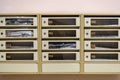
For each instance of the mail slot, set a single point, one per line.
(18, 33)
(18, 56)
(102, 21)
(18, 44)
(60, 33)
(61, 45)
(102, 56)
(60, 56)
(18, 21)
(60, 21)
(102, 45)
(102, 33)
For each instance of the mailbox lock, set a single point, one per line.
(1, 33)
(44, 45)
(1, 21)
(2, 45)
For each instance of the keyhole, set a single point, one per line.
(44, 45)
(87, 22)
(1, 45)
(44, 33)
(44, 22)
(2, 56)
(86, 44)
(86, 56)
(86, 33)
(1, 21)
(1, 33)
(44, 56)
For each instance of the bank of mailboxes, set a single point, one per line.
(101, 44)
(18, 44)
(65, 44)
(60, 44)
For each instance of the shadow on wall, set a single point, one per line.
(59, 77)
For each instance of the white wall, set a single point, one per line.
(60, 6)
